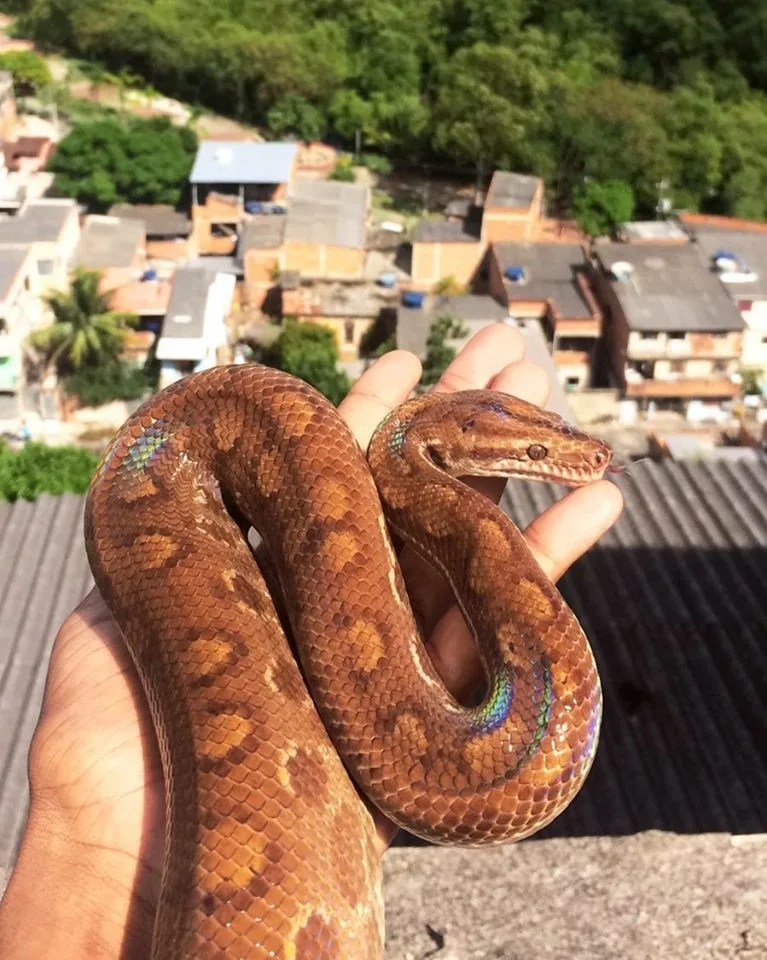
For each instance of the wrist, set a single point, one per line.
(70, 899)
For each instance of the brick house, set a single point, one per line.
(52, 228)
(673, 334)
(737, 255)
(231, 178)
(445, 249)
(320, 237)
(550, 282)
(513, 207)
(168, 232)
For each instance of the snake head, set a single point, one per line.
(486, 433)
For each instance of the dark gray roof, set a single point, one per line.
(327, 212)
(446, 231)
(109, 242)
(266, 232)
(218, 264)
(160, 219)
(413, 324)
(670, 288)
(38, 221)
(243, 161)
(672, 599)
(11, 261)
(550, 274)
(512, 190)
(751, 250)
(186, 308)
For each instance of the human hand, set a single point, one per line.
(97, 791)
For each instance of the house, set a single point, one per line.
(114, 247)
(231, 178)
(21, 311)
(673, 334)
(27, 154)
(321, 236)
(652, 231)
(444, 250)
(52, 228)
(513, 207)
(349, 309)
(8, 114)
(476, 311)
(550, 282)
(738, 257)
(168, 232)
(194, 331)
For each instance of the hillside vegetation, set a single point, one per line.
(640, 91)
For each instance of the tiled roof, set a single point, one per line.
(327, 212)
(750, 248)
(242, 161)
(159, 219)
(446, 231)
(670, 288)
(672, 598)
(551, 271)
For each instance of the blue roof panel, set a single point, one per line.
(243, 161)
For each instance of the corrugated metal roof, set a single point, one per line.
(186, 309)
(550, 274)
(160, 219)
(670, 288)
(242, 161)
(446, 231)
(673, 600)
(11, 261)
(750, 248)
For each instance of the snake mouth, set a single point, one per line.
(566, 476)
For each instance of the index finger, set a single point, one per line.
(381, 388)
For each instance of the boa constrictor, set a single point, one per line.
(270, 853)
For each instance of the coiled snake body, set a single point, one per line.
(270, 853)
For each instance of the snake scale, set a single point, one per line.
(270, 852)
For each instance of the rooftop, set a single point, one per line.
(413, 324)
(265, 232)
(11, 261)
(186, 309)
(643, 231)
(668, 288)
(515, 191)
(446, 231)
(550, 273)
(159, 219)
(750, 250)
(327, 212)
(109, 242)
(243, 161)
(37, 221)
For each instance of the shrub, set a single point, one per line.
(37, 469)
(115, 380)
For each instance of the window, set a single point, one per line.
(572, 383)
(676, 366)
(677, 335)
(349, 331)
(745, 305)
(581, 344)
(645, 335)
(45, 267)
(719, 366)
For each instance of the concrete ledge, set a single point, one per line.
(653, 895)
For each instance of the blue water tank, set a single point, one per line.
(253, 207)
(515, 273)
(150, 274)
(411, 298)
(386, 280)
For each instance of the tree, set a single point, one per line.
(308, 351)
(439, 353)
(112, 380)
(85, 332)
(37, 469)
(138, 161)
(600, 208)
(30, 71)
(296, 115)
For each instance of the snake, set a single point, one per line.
(290, 689)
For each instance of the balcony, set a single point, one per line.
(714, 388)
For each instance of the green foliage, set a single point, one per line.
(448, 287)
(638, 91)
(343, 171)
(308, 351)
(752, 378)
(600, 208)
(30, 71)
(439, 353)
(135, 161)
(85, 331)
(295, 115)
(104, 382)
(37, 469)
(375, 162)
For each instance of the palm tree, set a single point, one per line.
(85, 331)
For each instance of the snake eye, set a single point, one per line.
(536, 451)
(468, 425)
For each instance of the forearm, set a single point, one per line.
(67, 899)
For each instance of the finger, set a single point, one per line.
(571, 526)
(527, 381)
(381, 388)
(487, 353)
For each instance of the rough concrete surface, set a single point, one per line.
(653, 895)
